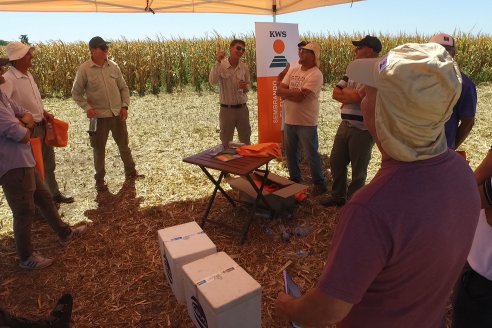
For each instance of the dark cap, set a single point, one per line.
(302, 44)
(4, 61)
(370, 42)
(97, 42)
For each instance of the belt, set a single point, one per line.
(232, 106)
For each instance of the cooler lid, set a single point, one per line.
(185, 239)
(221, 282)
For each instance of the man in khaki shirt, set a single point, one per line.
(100, 89)
(234, 80)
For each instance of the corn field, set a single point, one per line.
(156, 65)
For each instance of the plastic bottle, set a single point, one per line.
(92, 125)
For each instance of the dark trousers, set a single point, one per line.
(100, 138)
(24, 191)
(472, 303)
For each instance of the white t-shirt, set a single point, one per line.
(480, 257)
(306, 112)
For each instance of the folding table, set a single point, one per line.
(243, 166)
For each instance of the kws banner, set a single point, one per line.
(276, 45)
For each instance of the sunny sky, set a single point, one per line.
(371, 16)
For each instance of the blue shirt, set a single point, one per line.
(13, 153)
(465, 107)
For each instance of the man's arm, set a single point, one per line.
(78, 89)
(295, 95)
(213, 77)
(464, 128)
(313, 309)
(346, 95)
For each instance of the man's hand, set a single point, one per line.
(27, 121)
(48, 116)
(123, 114)
(282, 305)
(91, 113)
(220, 55)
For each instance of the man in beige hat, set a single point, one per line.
(101, 91)
(463, 118)
(20, 87)
(401, 240)
(353, 143)
(21, 185)
(300, 89)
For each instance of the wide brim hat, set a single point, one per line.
(17, 50)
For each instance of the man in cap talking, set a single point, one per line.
(353, 143)
(300, 89)
(101, 91)
(402, 239)
(20, 87)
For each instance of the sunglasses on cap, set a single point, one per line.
(239, 48)
(305, 51)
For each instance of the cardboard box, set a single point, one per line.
(179, 245)
(279, 200)
(221, 294)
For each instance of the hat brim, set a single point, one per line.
(365, 70)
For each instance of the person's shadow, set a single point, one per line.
(124, 201)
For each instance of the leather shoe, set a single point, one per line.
(61, 198)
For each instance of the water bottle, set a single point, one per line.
(92, 126)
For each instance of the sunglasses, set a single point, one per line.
(305, 51)
(104, 48)
(239, 48)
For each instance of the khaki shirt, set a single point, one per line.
(24, 91)
(228, 78)
(101, 87)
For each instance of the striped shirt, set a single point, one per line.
(351, 112)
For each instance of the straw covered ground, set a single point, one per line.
(115, 271)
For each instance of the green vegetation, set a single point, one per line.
(154, 65)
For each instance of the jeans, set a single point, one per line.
(307, 136)
(24, 190)
(351, 145)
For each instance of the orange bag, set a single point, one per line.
(56, 133)
(261, 150)
(37, 152)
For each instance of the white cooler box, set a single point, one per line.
(179, 245)
(221, 294)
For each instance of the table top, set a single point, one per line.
(240, 166)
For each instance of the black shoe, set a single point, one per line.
(61, 198)
(331, 201)
(61, 315)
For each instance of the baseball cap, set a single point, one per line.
(97, 42)
(16, 50)
(418, 86)
(314, 47)
(370, 42)
(443, 39)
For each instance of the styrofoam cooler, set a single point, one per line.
(179, 245)
(221, 294)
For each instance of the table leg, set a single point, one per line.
(214, 194)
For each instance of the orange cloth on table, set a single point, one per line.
(261, 150)
(36, 147)
(57, 136)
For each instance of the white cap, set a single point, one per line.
(442, 39)
(16, 50)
